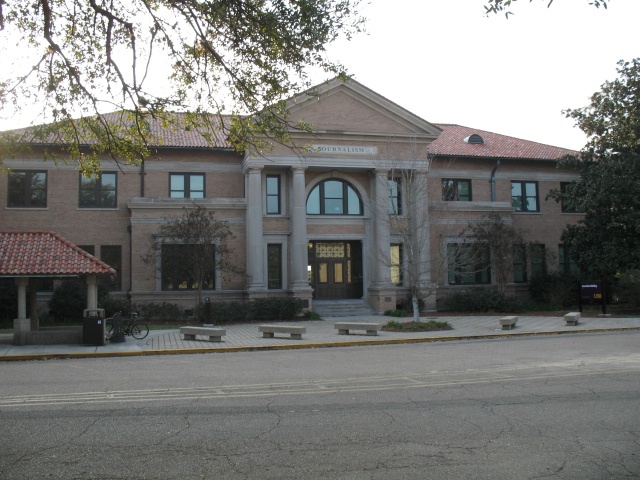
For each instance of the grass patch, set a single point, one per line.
(429, 326)
(397, 313)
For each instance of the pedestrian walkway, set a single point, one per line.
(319, 333)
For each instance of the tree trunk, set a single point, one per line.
(416, 308)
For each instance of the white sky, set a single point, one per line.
(446, 62)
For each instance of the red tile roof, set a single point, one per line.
(179, 132)
(45, 253)
(451, 143)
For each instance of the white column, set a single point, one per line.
(21, 325)
(255, 247)
(421, 229)
(299, 250)
(92, 292)
(382, 236)
(22, 297)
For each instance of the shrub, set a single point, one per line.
(277, 308)
(159, 312)
(311, 315)
(263, 309)
(430, 326)
(482, 300)
(113, 305)
(8, 302)
(228, 312)
(555, 289)
(69, 300)
(627, 289)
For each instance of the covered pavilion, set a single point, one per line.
(30, 255)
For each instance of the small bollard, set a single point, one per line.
(207, 310)
(118, 332)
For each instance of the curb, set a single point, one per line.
(255, 348)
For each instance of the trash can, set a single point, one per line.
(93, 327)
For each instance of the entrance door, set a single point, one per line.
(330, 280)
(335, 269)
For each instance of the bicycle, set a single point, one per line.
(130, 326)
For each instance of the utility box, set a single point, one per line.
(93, 327)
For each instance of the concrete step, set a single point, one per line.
(342, 308)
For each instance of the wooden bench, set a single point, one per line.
(369, 328)
(296, 332)
(214, 334)
(507, 323)
(572, 318)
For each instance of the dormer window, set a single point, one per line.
(474, 139)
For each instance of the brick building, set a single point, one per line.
(319, 221)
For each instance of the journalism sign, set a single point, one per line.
(591, 291)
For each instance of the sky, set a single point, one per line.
(447, 62)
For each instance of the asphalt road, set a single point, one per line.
(561, 407)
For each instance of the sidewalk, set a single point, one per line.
(321, 333)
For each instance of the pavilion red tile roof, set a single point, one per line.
(451, 142)
(45, 254)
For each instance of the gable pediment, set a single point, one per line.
(340, 106)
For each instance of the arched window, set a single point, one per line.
(334, 197)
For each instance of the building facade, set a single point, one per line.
(375, 199)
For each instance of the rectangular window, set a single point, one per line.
(274, 266)
(395, 196)
(44, 285)
(519, 264)
(565, 207)
(98, 191)
(333, 197)
(455, 190)
(186, 185)
(568, 265)
(273, 194)
(469, 264)
(538, 260)
(396, 264)
(524, 196)
(90, 249)
(27, 189)
(112, 256)
(186, 267)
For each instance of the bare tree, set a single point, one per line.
(143, 59)
(502, 240)
(192, 247)
(406, 216)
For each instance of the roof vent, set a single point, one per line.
(474, 139)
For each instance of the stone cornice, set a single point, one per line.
(179, 203)
(442, 206)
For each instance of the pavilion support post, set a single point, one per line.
(92, 292)
(22, 324)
